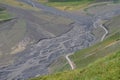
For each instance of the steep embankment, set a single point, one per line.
(86, 56)
(104, 69)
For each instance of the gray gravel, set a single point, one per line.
(35, 59)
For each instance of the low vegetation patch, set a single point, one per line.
(4, 15)
(2, 8)
(67, 4)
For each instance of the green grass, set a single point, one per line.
(68, 5)
(107, 68)
(4, 15)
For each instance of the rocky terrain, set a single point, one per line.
(45, 40)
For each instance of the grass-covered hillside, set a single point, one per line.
(107, 68)
(67, 4)
(71, 4)
(86, 56)
(4, 15)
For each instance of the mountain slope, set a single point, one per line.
(91, 62)
(84, 57)
(36, 38)
(107, 68)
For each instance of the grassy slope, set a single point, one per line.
(61, 64)
(68, 5)
(107, 68)
(4, 15)
(86, 56)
